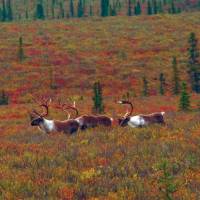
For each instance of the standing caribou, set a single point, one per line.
(68, 126)
(91, 121)
(140, 120)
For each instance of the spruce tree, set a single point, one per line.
(129, 12)
(71, 8)
(102, 8)
(84, 6)
(138, 10)
(162, 83)
(176, 86)
(193, 63)
(26, 14)
(62, 11)
(80, 8)
(1, 19)
(40, 11)
(149, 8)
(4, 98)
(91, 10)
(52, 9)
(113, 11)
(98, 98)
(4, 13)
(160, 7)
(178, 10)
(21, 50)
(184, 103)
(145, 90)
(155, 7)
(105, 8)
(9, 11)
(47, 8)
(173, 8)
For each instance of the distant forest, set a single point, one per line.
(56, 9)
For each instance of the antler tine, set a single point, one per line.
(62, 107)
(42, 105)
(73, 107)
(48, 101)
(128, 113)
(59, 104)
(74, 104)
(69, 115)
(65, 107)
(46, 106)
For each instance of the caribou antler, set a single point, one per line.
(44, 105)
(73, 108)
(65, 107)
(128, 113)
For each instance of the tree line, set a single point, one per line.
(55, 9)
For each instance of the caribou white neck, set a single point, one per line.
(47, 126)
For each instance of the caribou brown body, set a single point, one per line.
(154, 118)
(91, 121)
(140, 120)
(67, 126)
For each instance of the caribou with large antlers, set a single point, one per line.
(68, 126)
(90, 121)
(140, 120)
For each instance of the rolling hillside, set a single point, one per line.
(72, 54)
(63, 58)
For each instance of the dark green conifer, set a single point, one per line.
(149, 7)
(9, 11)
(98, 98)
(129, 12)
(162, 84)
(40, 11)
(4, 13)
(71, 8)
(145, 91)
(4, 98)
(185, 98)
(80, 10)
(193, 63)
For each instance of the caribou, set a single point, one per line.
(141, 119)
(68, 126)
(90, 121)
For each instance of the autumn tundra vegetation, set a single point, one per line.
(108, 57)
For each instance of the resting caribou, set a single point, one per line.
(91, 121)
(141, 119)
(68, 126)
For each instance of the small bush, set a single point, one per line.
(4, 98)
